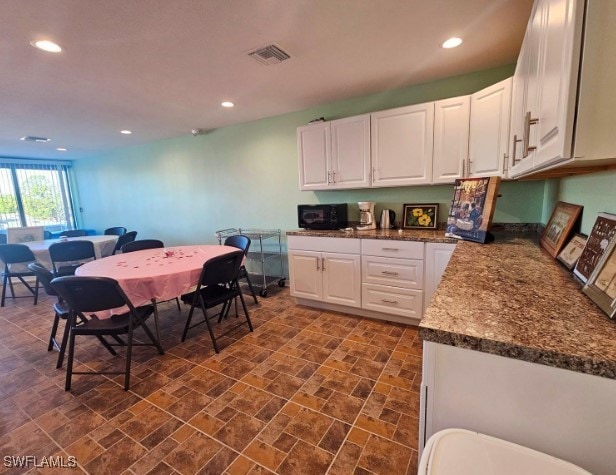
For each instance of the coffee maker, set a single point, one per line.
(366, 215)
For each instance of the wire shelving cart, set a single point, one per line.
(265, 247)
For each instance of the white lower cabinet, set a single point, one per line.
(437, 258)
(318, 274)
(393, 277)
(380, 278)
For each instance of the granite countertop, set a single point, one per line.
(422, 235)
(510, 298)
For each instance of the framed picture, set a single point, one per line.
(25, 234)
(601, 285)
(603, 231)
(559, 227)
(420, 216)
(472, 208)
(572, 251)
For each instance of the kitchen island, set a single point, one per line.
(513, 349)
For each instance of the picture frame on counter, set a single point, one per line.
(601, 285)
(560, 226)
(472, 208)
(572, 251)
(420, 216)
(25, 234)
(602, 233)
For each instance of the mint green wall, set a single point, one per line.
(182, 190)
(595, 191)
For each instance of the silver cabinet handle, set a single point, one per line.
(323, 264)
(318, 268)
(528, 121)
(390, 249)
(515, 160)
(504, 162)
(389, 301)
(329, 177)
(469, 166)
(334, 177)
(387, 272)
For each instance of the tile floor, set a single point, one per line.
(309, 392)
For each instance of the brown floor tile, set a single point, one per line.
(308, 392)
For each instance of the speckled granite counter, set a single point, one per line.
(423, 235)
(510, 298)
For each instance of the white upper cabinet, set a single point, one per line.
(564, 103)
(350, 156)
(489, 130)
(314, 152)
(335, 155)
(402, 145)
(451, 127)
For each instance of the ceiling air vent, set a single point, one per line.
(268, 55)
(30, 138)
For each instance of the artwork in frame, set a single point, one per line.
(572, 251)
(472, 208)
(603, 231)
(420, 216)
(601, 285)
(559, 227)
(25, 234)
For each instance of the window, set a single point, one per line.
(35, 194)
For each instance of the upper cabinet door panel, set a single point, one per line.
(489, 129)
(451, 125)
(314, 151)
(402, 142)
(351, 152)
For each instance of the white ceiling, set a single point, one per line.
(162, 67)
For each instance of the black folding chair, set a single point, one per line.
(115, 231)
(123, 239)
(141, 244)
(88, 295)
(74, 233)
(68, 255)
(14, 255)
(242, 242)
(217, 286)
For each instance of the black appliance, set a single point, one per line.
(322, 216)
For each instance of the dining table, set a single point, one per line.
(154, 275)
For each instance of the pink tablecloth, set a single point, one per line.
(150, 274)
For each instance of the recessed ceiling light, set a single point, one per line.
(126, 132)
(452, 43)
(227, 104)
(61, 149)
(46, 45)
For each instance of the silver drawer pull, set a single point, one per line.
(386, 272)
(389, 301)
(391, 249)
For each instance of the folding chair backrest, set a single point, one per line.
(74, 233)
(240, 241)
(44, 276)
(115, 231)
(71, 251)
(221, 269)
(128, 237)
(142, 244)
(16, 253)
(90, 294)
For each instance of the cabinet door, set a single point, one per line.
(341, 279)
(351, 152)
(558, 76)
(401, 144)
(437, 258)
(305, 274)
(314, 155)
(489, 130)
(451, 125)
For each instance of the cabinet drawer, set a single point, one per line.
(323, 244)
(405, 273)
(391, 248)
(393, 300)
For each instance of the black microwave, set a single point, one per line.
(322, 216)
